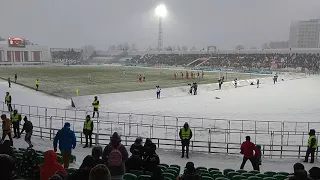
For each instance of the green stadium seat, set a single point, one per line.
(71, 170)
(147, 173)
(226, 171)
(205, 174)
(166, 178)
(203, 171)
(165, 165)
(216, 169)
(177, 166)
(198, 168)
(60, 160)
(283, 173)
(144, 177)
(280, 177)
(215, 176)
(269, 178)
(238, 177)
(129, 176)
(163, 168)
(40, 159)
(174, 168)
(254, 172)
(270, 173)
(247, 174)
(136, 172)
(206, 178)
(215, 172)
(261, 175)
(222, 178)
(172, 171)
(241, 171)
(254, 178)
(231, 174)
(169, 175)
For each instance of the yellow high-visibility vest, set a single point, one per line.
(95, 104)
(87, 125)
(185, 133)
(7, 98)
(37, 82)
(15, 117)
(315, 144)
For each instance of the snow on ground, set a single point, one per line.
(220, 161)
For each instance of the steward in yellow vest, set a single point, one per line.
(7, 101)
(15, 119)
(37, 84)
(185, 136)
(87, 130)
(312, 146)
(95, 105)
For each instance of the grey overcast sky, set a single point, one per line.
(224, 23)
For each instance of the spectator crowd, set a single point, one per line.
(65, 55)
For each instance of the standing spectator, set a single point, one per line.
(6, 128)
(115, 156)
(84, 170)
(16, 118)
(9, 82)
(235, 82)
(258, 83)
(257, 158)
(312, 146)
(67, 142)
(87, 130)
(148, 145)
(97, 154)
(185, 136)
(151, 160)
(28, 127)
(137, 147)
(8, 101)
(50, 166)
(190, 172)
(100, 172)
(158, 90)
(15, 78)
(247, 149)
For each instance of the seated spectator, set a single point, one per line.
(100, 172)
(151, 160)
(6, 167)
(157, 174)
(137, 146)
(135, 162)
(6, 148)
(50, 166)
(148, 145)
(314, 173)
(97, 155)
(300, 175)
(190, 172)
(56, 177)
(83, 172)
(28, 167)
(115, 156)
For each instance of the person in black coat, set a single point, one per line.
(84, 171)
(96, 152)
(157, 174)
(151, 160)
(28, 127)
(134, 162)
(190, 172)
(148, 146)
(137, 147)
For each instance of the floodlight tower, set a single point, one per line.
(161, 12)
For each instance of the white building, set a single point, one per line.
(305, 34)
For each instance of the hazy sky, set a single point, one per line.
(224, 23)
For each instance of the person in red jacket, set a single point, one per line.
(50, 166)
(247, 149)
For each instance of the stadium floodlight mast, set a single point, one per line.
(161, 12)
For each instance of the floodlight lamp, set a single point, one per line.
(161, 10)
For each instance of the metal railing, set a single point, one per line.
(278, 139)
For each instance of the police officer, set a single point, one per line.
(95, 105)
(8, 101)
(37, 84)
(16, 118)
(185, 136)
(312, 146)
(87, 130)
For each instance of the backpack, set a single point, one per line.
(115, 157)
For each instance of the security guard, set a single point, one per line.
(95, 105)
(8, 101)
(185, 136)
(87, 130)
(312, 146)
(37, 84)
(16, 118)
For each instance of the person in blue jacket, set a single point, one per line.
(67, 142)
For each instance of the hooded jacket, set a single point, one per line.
(190, 173)
(137, 147)
(97, 155)
(115, 141)
(66, 139)
(84, 171)
(50, 166)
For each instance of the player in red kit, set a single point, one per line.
(140, 77)
(191, 74)
(175, 76)
(182, 75)
(202, 74)
(187, 75)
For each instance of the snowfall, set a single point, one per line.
(289, 100)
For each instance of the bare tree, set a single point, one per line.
(253, 47)
(239, 47)
(193, 48)
(133, 47)
(126, 47)
(168, 48)
(265, 46)
(112, 48)
(149, 48)
(178, 48)
(88, 50)
(184, 48)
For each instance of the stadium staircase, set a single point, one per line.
(193, 62)
(205, 60)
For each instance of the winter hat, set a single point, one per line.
(138, 140)
(115, 136)
(67, 124)
(297, 167)
(100, 172)
(190, 166)
(96, 151)
(88, 161)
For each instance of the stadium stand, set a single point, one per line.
(71, 56)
